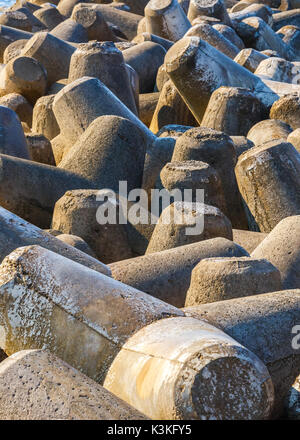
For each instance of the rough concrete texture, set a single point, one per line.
(20, 105)
(281, 248)
(71, 31)
(114, 115)
(82, 101)
(8, 35)
(171, 109)
(195, 367)
(216, 149)
(76, 213)
(287, 109)
(53, 53)
(263, 324)
(250, 58)
(268, 179)
(26, 76)
(166, 19)
(219, 279)
(40, 149)
(249, 240)
(13, 50)
(12, 140)
(214, 38)
(233, 110)
(192, 175)
(145, 58)
(49, 16)
(43, 119)
(16, 232)
(268, 130)
(36, 385)
(77, 243)
(105, 62)
(183, 223)
(34, 188)
(57, 306)
(166, 275)
(112, 149)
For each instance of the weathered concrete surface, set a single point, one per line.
(80, 315)
(216, 149)
(112, 149)
(282, 248)
(9, 35)
(166, 275)
(263, 324)
(76, 213)
(36, 385)
(219, 279)
(20, 105)
(183, 223)
(43, 119)
(104, 61)
(268, 130)
(166, 19)
(185, 369)
(192, 175)
(26, 181)
(53, 53)
(233, 111)
(16, 232)
(249, 240)
(85, 99)
(268, 179)
(171, 109)
(287, 109)
(12, 139)
(40, 148)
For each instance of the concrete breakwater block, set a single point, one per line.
(25, 378)
(58, 321)
(166, 274)
(263, 324)
(149, 209)
(218, 279)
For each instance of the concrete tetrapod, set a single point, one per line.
(36, 385)
(16, 232)
(268, 177)
(30, 189)
(112, 149)
(52, 52)
(181, 369)
(76, 213)
(104, 61)
(219, 279)
(81, 315)
(84, 100)
(262, 323)
(166, 19)
(282, 248)
(68, 323)
(198, 69)
(216, 149)
(12, 139)
(183, 223)
(233, 110)
(211, 8)
(166, 274)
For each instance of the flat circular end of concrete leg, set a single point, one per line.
(224, 382)
(180, 52)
